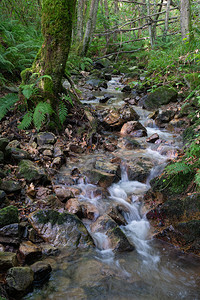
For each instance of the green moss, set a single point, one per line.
(25, 75)
(54, 217)
(8, 215)
(171, 185)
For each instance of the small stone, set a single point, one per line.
(13, 144)
(29, 252)
(47, 152)
(126, 89)
(19, 154)
(154, 137)
(57, 152)
(46, 138)
(64, 193)
(7, 261)
(57, 161)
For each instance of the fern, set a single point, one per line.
(42, 111)
(62, 112)
(177, 167)
(6, 103)
(67, 98)
(27, 120)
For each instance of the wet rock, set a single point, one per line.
(49, 250)
(10, 186)
(116, 239)
(89, 211)
(29, 252)
(46, 138)
(8, 215)
(154, 137)
(19, 281)
(2, 196)
(114, 213)
(61, 229)
(100, 178)
(109, 146)
(106, 166)
(65, 192)
(42, 272)
(3, 143)
(153, 115)
(138, 169)
(73, 206)
(133, 128)
(31, 172)
(128, 143)
(105, 98)
(10, 234)
(1, 157)
(161, 96)
(164, 117)
(115, 118)
(57, 162)
(7, 261)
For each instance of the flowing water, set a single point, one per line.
(155, 270)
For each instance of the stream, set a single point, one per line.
(154, 270)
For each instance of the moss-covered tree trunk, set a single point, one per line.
(57, 17)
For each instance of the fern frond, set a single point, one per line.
(178, 167)
(62, 112)
(68, 98)
(6, 103)
(42, 110)
(27, 120)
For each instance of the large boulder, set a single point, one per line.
(60, 229)
(161, 96)
(8, 215)
(115, 238)
(30, 171)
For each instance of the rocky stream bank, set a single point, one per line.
(91, 187)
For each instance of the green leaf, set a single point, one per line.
(62, 112)
(28, 90)
(26, 122)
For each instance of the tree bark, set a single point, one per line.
(57, 17)
(185, 19)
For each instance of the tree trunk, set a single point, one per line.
(166, 20)
(185, 19)
(57, 16)
(90, 25)
(79, 33)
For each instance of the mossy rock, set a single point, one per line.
(10, 186)
(61, 229)
(193, 80)
(7, 261)
(171, 185)
(31, 172)
(19, 281)
(8, 215)
(161, 96)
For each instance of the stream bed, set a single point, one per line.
(154, 270)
